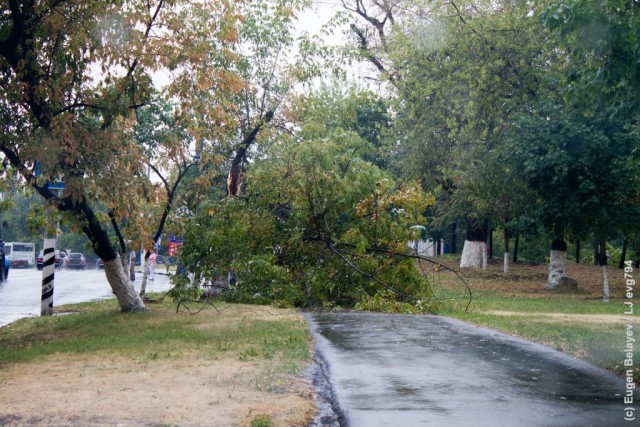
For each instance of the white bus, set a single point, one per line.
(20, 254)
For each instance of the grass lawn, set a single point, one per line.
(242, 366)
(580, 324)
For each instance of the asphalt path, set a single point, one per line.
(404, 371)
(20, 294)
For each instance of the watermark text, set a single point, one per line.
(630, 283)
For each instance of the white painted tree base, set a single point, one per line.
(557, 268)
(122, 287)
(473, 254)
(506, 263)
(605, 282)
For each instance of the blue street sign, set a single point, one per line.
(56, 185)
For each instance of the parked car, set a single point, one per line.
(100, 264)
(76, 260)
(159, 259)
(61, 256)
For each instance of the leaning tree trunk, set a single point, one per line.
(557, 263)
(474, 251)
(603, 262)
(121, 285)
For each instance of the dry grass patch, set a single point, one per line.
(159, 368)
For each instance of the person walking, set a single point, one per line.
(152, 263)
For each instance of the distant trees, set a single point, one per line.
(514, 113)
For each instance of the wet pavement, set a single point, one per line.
(403, 371)
(20, 294)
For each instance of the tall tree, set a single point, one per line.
(71, 75)
(602, 37)
(265, 43)
(575, 165)
(463, 77)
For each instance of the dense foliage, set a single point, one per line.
(318, 224)
(517, 116)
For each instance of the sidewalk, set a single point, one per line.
(391, 370)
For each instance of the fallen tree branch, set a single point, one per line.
(205, 304)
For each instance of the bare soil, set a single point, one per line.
(562, 317)
(529, 279)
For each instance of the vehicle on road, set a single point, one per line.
(61, 256)
(100, 264)
(76, 260)
(20, 254)
(159, 259)
(4, 263)
(19, 263)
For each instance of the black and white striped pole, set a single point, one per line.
(49, 257)
(48, 272)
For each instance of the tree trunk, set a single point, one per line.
(122, 288)
(603, 262)
(505, 237)
(605, 283)
(453, 237)
(490, 244)
(236, 174)
(145, 271)
(516, 244)
(475, 245)
(557, 263)
(485, 258)
(623, 255)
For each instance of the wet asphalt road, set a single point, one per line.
(20, 294)
(403, 371)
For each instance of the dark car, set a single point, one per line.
(59, 261)
(76, 260)
(7, 265)
(159, 259)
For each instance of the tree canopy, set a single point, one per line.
(207, 118)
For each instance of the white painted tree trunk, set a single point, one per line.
(557, 268)
(506, 263)
(122, 287)
(485, 258)
(473, 254)
(605, 278)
